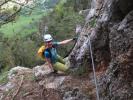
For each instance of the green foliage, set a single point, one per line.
(23, 25)
(6, 57)
(59, 9)
(3, 76)
(50, 3)
(61, 23)
(82, 70)
(19, 42)
(78, 4)
(19, 51)
(25, 50)
(93, 22)
(25, 22)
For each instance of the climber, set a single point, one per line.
(55, 62)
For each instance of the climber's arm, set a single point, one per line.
(49, 64)
(47, 57)
(67, 41)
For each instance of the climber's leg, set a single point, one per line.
(60, 59)
(59, 66)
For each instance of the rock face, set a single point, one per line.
(40, 84)
(110, 26)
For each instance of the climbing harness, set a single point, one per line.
(92, 60)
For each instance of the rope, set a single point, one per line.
(77, 35)
(97, 92)
(92, 60)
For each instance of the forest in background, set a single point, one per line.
(21, 37)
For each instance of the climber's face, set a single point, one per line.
(49, 44)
